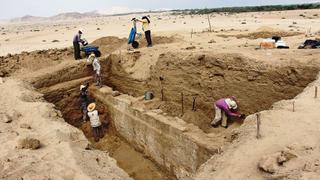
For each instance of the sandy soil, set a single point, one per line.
(177, 54)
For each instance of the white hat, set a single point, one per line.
(81, 30)
(231, 103)
(82, 86)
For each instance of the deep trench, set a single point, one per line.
(207, 78)
(135, 163)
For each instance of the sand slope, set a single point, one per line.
(62, 154)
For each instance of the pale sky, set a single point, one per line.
(17, 8)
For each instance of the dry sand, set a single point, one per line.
(61, 143)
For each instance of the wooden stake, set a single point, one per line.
(293, 108)
(182, 105)
(209, 23)
(162, 96)
(316, 92)
(191, 33)
(258, 126)
(194, 104)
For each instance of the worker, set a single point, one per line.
(226, 108)
(84, 100)
(146, 28)
(76, 44)
(96, 68)
(95, 122)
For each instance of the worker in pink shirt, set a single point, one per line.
(226, 108)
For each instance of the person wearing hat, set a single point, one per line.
(96, 68)
(84, 100)
(226, 108)
(95, 122)
(76, 44)
(146, 28)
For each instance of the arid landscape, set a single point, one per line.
(192, 64)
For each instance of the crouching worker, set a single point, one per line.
(84, 100)
(226, 108)
(96, 68)
(95, 122)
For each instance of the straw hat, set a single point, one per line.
(231, 103)
(91, 107)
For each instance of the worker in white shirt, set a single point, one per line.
(95, 122)
(96, 68)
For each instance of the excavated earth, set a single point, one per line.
(165, 138)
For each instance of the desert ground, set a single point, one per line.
(189, 67)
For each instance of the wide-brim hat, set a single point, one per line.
(91, 107)
(231, 103)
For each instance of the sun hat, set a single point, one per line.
(81, 30)
(231, 103)
(82, 86)
(91, 107)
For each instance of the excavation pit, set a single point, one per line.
(163, 142)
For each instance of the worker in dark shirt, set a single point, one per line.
(76, 44)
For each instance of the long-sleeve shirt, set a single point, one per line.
(221, 103)
(77, 38)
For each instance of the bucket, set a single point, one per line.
(148, 95)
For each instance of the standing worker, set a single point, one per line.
(96, 68)
(84, 100)
(95, 122)
(76, 44)
(226, 108)
(146, 28)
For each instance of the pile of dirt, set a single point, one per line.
(267, 34)
(158, 40)
(263, 32)
(109, 44)
(33, 60)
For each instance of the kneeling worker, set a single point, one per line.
(95, 122)
(226, 108)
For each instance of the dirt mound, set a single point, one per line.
(158, 40)
(33, 60)
(263, 32)
(109, 44)
(267, 34)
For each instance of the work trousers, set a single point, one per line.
(76, 47)
(97, 133)
(220, 117)
(148, 37)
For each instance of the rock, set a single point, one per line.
(190, 48)
(285, 156)
(5, 119)
(115, 93)
(25, 126)
(55, 41)
(13, 115)
(268, 164)
(212, 41)
(29, 143)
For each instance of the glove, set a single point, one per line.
(242, 116)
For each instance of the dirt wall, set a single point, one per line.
(209, 77)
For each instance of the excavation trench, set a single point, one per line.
(137, 164)
(152, 139)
